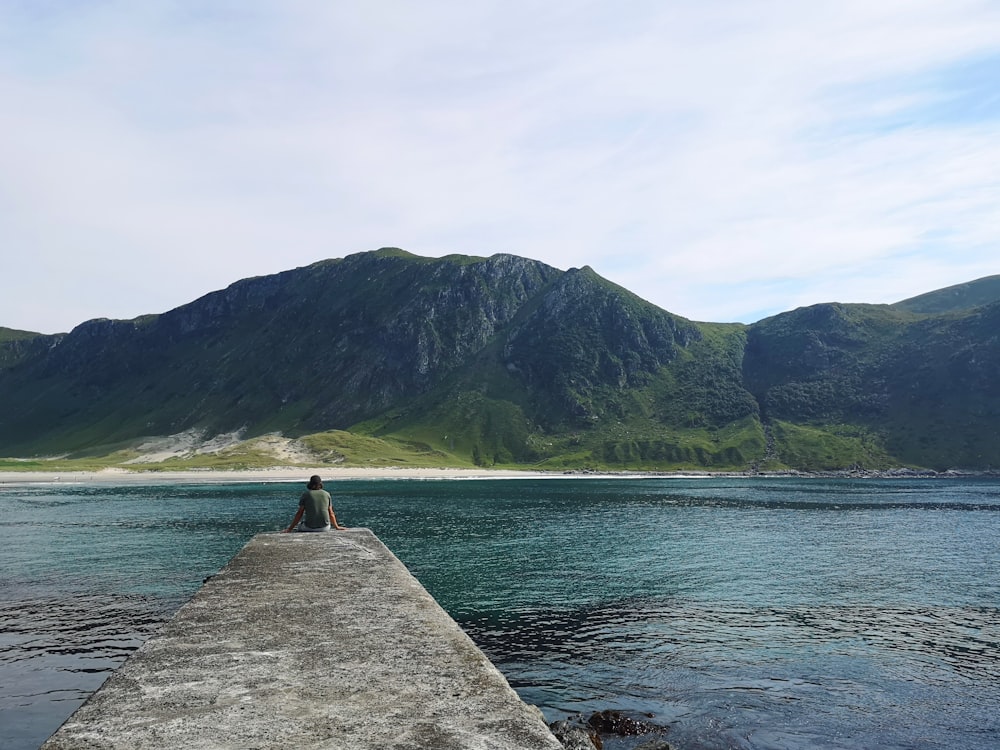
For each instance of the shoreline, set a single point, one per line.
(243, 476)
(280, 474)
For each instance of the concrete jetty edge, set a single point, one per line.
(308, 641)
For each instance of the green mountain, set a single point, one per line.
(955, 298)
(506, 361)
(905, 387)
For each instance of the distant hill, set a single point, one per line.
(913, 389)
(507, 361)
(955, 298)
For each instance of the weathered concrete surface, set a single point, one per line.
(308, 641)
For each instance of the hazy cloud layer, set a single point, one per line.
(725, 160)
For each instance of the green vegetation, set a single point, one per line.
(389, 359)
(735, 447)
(921, 387)
(339, 447)
(17, 346)
(961, 297)
(64, 463)
(11, 334)
(830, 447)
(333, 448)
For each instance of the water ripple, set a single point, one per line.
(740, 613)
(875, 676)
(73, 643)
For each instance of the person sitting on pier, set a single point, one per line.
(317, 507)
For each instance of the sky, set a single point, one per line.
(725, 160)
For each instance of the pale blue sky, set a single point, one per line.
(725, 160)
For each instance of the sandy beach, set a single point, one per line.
(279, 474)
(332, 474)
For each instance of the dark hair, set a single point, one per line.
(315, 483)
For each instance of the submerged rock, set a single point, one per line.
(655, 745)
(615, 722)
(579, 733)
(575, 736)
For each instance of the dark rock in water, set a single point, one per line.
(655, 745)
(574, 736)
(615, 722)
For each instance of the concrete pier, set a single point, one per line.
(308, 641)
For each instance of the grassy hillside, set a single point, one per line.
(958, 298)
(689, 411)
(915, 389)
(386, 358)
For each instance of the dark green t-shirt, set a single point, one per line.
(316, 504)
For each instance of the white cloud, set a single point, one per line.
(725, 160)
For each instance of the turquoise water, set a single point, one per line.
(756, 613)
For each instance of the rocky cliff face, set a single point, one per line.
(16, 346)
(585, 335)
(315, 348)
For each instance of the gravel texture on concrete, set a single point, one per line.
(308, 641)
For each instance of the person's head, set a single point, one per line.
(315, 483)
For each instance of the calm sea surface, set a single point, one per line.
(740, 613)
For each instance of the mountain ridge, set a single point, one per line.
(955, 298)
(503, 360)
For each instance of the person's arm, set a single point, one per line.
(333, 520)
(295, 521)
